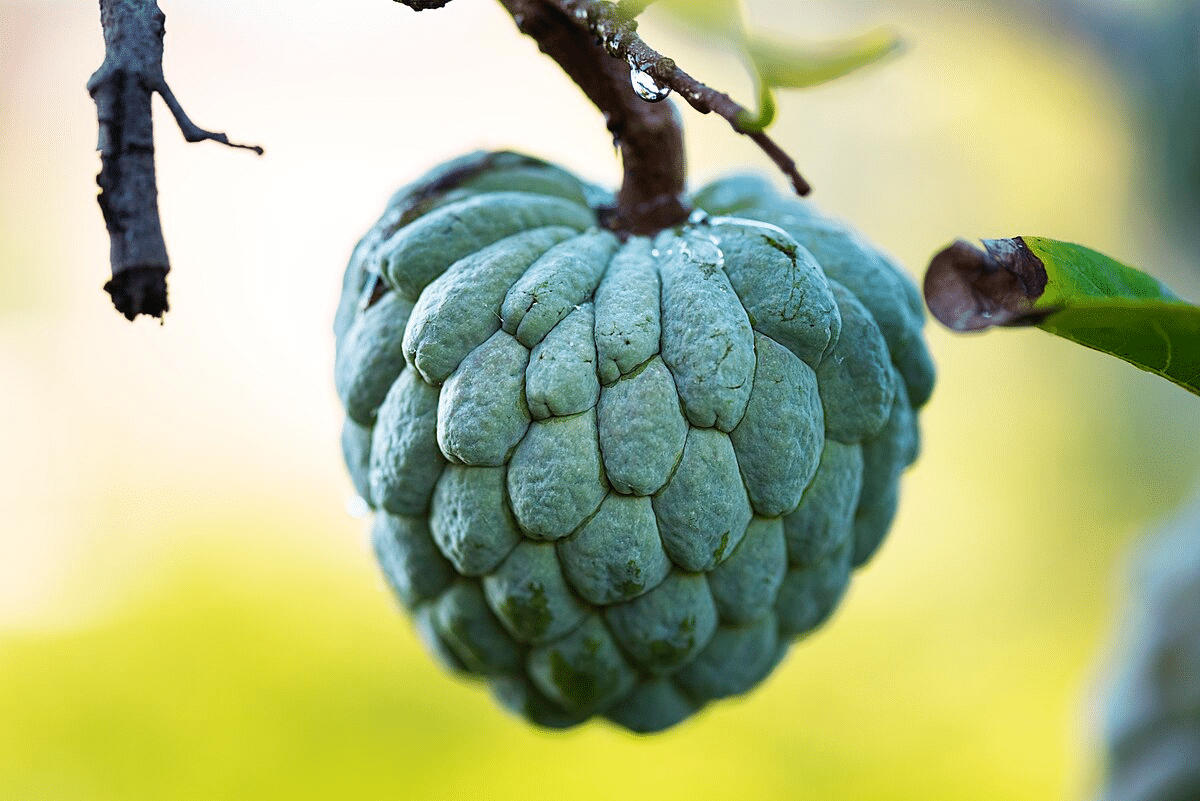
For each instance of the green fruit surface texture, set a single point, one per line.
(1152, 719)
(614, 476)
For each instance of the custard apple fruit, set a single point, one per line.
(1153, 714)
(618, 476)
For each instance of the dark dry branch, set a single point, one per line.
(123, 88)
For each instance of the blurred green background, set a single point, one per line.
(187, 609)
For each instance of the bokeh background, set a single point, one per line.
(189, 611)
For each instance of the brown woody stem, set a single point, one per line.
(617, 33)
(578, 34)
(648, 134)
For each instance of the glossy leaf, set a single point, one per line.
(1071, 291)
(791, 66)
(776, 65)
(721, 18)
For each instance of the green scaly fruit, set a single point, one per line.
(619, 477)
(1152, 718)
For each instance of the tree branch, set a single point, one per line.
(123, 88)
(579, 34)
(617, 33)
(648, 134)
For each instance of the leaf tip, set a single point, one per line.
(971, 289)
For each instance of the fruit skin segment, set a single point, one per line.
(642, 429)
(617, 477)
(707, 341)
(1151, 716)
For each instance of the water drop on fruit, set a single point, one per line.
(357, 507)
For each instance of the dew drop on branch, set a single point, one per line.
(646, 87)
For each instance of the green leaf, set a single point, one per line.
(1071, 291)
(791, 66)
(775, 65)
(1077, 273)
(780, 65)
(721, 18)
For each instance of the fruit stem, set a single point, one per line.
(648, 134)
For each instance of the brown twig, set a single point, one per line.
(618, 35)
(611, 28)
(123, 88)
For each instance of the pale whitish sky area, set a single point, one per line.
(110, 431)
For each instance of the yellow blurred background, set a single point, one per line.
(187, 609)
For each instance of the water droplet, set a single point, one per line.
(357, 507)
(654, 253)
(698, 217)
(646, 87)
(703, 251)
